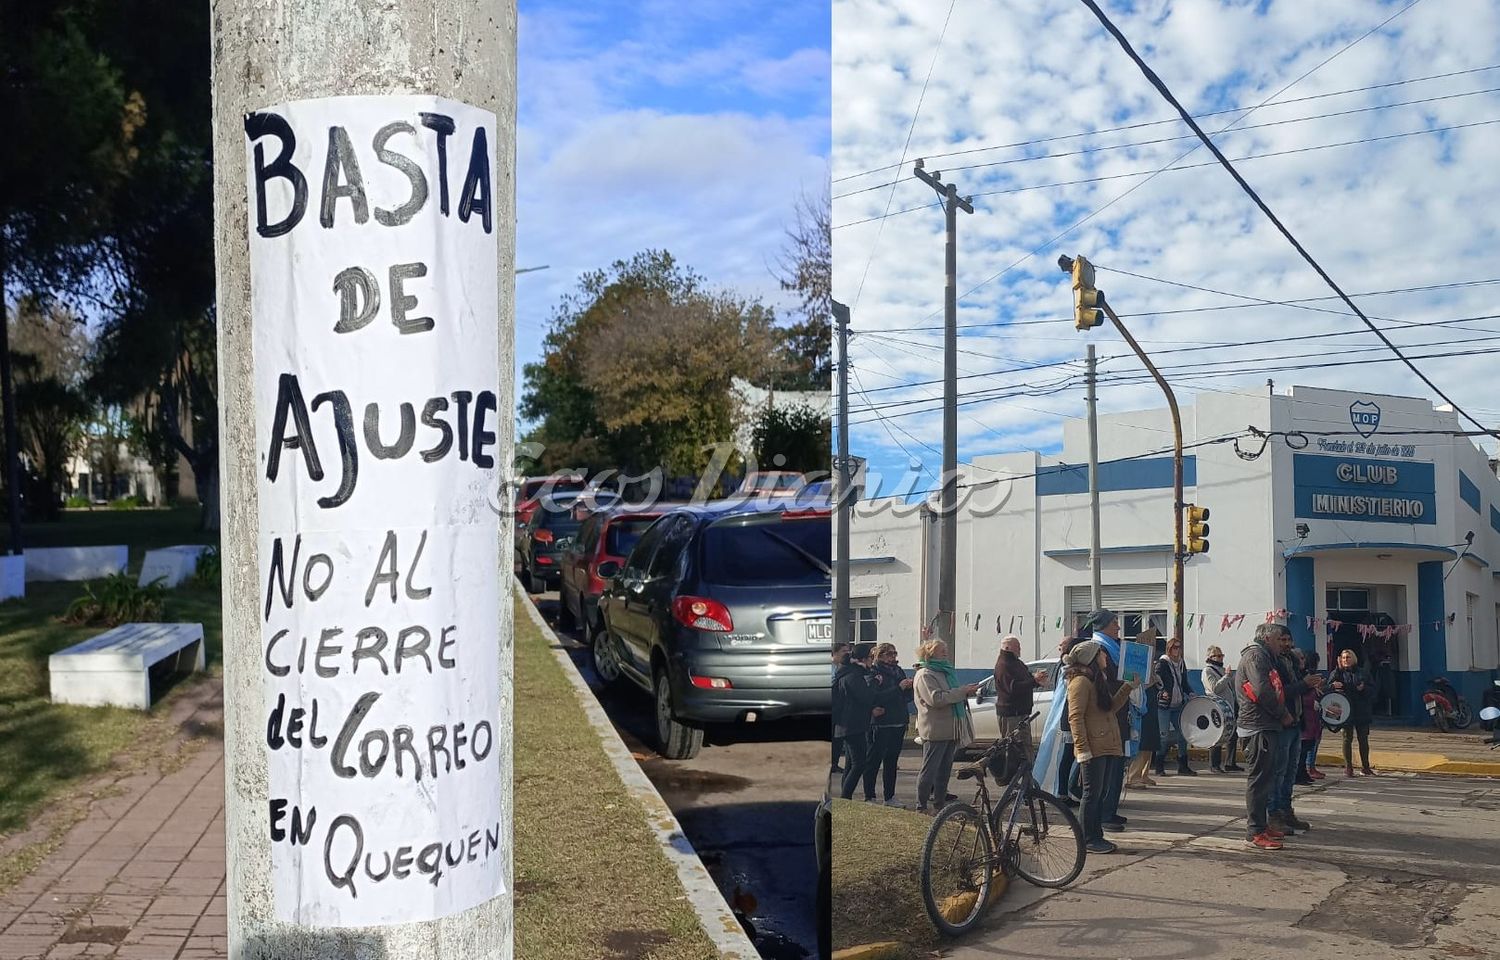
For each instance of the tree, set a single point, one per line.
(806, 269)
(637, 367)
(69, 130)
(794, 437)
(49, 354)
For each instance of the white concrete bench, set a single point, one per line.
(75, 563)
(114, 668)
(170, 565)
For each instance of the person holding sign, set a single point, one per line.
(1094, 702)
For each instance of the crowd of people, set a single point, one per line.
(1271, 696)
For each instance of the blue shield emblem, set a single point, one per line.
(1365, 416)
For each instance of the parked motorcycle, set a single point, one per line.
(1446, 705)
(1487, 720)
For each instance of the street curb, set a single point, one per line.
(714, 915)
(870, 951)
(1414, 762)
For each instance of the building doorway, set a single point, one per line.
(1364, 618)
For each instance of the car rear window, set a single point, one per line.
(624, 534)
(564, 522)
(737, 553)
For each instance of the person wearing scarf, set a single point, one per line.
(943, 722)
(1094, 701)
(1173, 696)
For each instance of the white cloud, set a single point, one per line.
(1401, 212)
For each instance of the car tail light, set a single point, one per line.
(701, 613)
(543, 536)
(712, 683)
(805, 514)
(544, 561)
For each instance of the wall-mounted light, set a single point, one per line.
(1302, 531)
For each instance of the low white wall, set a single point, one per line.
(74, 563)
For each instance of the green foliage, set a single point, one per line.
(76, 502)
(126, 503)
(116, 600)
(209, 570)
(638, 366)
(797, 435)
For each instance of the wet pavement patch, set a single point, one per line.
(110, 935)
(635, 943)
(1402, 910)
(688, 784)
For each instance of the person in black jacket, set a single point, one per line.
(840, 655)
(853, 708)
(1172, 696)
(1354, 682)
(888, 733)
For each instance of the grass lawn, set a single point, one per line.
(877, 892)
(591, 880)
(44, 749)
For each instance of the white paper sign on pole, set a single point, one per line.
(374, 294)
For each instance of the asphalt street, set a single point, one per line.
(1396, 866)
(746, 803)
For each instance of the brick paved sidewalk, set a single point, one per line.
(142, 876)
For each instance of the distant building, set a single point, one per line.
(1354, 534)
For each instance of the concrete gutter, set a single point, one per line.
(714, 914)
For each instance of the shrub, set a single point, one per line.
(209, 568)
(116, 600)
(124, 503)
(77, 502)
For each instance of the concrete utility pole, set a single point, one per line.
(948, 549)
(416, 67)
(1091, 377)
(843, 484)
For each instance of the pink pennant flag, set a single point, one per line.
(1225, 625)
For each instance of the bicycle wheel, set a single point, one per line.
(1047, 848)
(957, 867)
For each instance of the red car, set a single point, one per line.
(609, 534)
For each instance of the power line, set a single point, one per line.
(1101, 148)
(1254, 302)
(1174, 168)
(906, 146)
(1136, 186)
(1250, 191)
(1175, 120)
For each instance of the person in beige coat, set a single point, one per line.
(1092, 716)
(943, 722)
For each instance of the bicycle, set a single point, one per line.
(1041, 841)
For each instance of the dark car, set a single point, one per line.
(533, 490)
(541, 542)
(722, 612)
(608, 535)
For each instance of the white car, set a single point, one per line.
(982, 705)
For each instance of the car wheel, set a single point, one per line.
(534, 583)
(565, 619)
(606, 657)
(677, 740)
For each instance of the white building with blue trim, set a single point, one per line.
(1362, 513)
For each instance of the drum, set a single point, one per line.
(1335, 709)
(1203, 721)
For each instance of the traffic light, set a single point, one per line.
(1086, 296)
(1197, 530)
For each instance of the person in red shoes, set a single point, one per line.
(1260, 718)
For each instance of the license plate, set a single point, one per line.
(820, 631)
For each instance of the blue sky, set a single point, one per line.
(1411, 210)
(688, 126)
